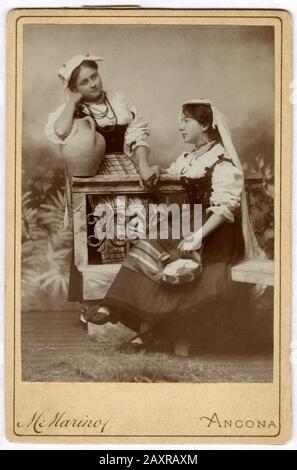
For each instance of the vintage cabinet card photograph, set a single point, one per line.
(148, 226)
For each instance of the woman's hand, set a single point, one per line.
(63, 124)
(192, 254)
(73, 97)
(194, 241)
(149, 175)
(190, 244)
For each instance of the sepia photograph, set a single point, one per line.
(148, 113)
(147, 231)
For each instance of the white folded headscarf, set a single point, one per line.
(252, 248)
(67, 68)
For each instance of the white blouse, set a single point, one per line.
(227, 180)
(136, 133)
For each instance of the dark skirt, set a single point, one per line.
(75, 288)
(136, 295)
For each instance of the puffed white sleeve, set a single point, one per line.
(137, 131)
(50, 127)
(227, 186)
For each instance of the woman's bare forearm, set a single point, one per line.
(141, 157)
(193, 242)
(148, 174)
(212, 224)
(64, 122)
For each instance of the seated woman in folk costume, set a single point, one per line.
(100, 123)
(134, 298)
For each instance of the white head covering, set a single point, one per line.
(67, 68)
(252, 248)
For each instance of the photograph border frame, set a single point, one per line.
(284, 234)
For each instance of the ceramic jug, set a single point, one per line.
(84, 152)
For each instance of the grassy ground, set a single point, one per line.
(56, 348)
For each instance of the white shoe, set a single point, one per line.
(83, 319)
(104, 310)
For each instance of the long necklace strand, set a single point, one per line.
(100, 115)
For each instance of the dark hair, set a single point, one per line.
(85, 63)
(202, 113)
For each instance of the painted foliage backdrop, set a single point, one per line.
(157, 68)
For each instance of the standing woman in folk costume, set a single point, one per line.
(212, 173)
(98, 132)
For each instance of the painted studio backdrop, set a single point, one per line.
(157, 68)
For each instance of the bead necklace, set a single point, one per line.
(198, 153)
(108, 113)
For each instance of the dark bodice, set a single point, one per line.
(226, 243)
(113, 135)
(199, 189)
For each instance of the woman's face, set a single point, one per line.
(89, 83)
(191, 130)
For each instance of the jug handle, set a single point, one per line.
(92, 124)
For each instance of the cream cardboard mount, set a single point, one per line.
(212, 398)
